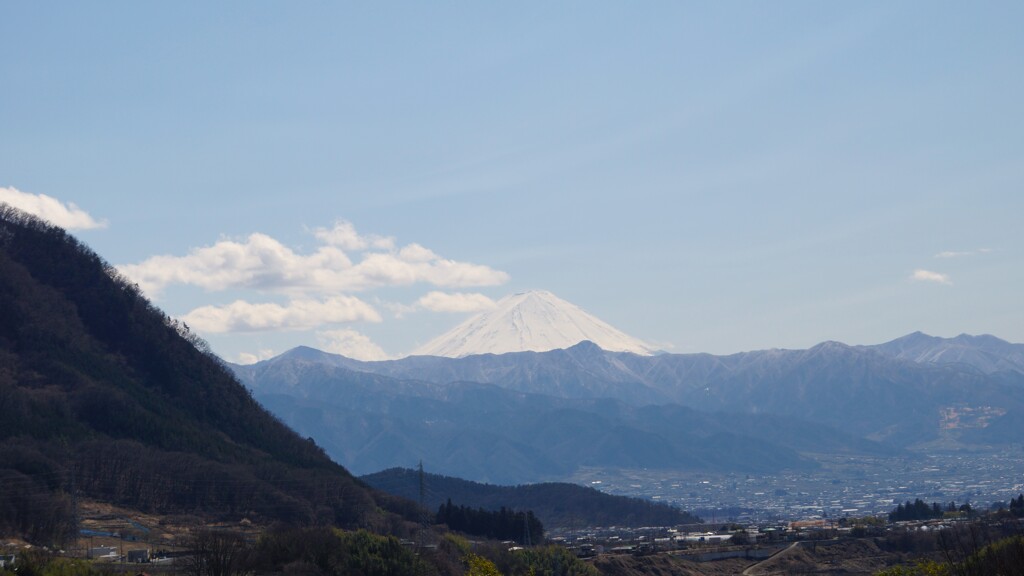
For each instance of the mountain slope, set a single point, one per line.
(857, 388)
(488, 433)
(535, 321)
(98, 386)
(860, 389)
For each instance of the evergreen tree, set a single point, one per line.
(502, 524)
(917, 510)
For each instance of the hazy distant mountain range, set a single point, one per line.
(530, 416)
(486, 433)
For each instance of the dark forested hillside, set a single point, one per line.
(556, 504)
(101, 390)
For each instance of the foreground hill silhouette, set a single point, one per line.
(557, 504)
(103, 394)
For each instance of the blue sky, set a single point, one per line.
(710, 177)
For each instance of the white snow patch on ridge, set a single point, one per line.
(535, 321)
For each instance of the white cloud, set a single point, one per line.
(929, 276)
(67, 216)
(304, 314)
(247, 358)
(415, 253)
(262, 263)
(457, 302)
(344, 236)
(351, 344)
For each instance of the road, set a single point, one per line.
(748, 572)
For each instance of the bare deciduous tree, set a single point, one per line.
(217, 553)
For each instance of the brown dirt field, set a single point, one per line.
(666, 565)
(849, 557)
(141, 530)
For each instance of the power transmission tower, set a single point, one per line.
(424, 513)
(423, 494)
(526, 530)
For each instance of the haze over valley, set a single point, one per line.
(479, 289)
(834, 414)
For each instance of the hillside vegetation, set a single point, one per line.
(102, 393)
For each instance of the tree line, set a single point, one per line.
(1017, 506)
(919, 510)
(502, 524)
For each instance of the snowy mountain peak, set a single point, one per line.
(531, 321)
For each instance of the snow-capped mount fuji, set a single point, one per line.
(536, 321)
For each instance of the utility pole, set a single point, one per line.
(572, 528)
(75, 526)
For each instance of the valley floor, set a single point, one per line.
(844, 486)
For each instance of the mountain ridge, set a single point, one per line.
(983, 352)
(370, 421)
(841, 395)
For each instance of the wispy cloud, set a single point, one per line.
(263, 263)
(929, 276)
(455, 302)
(398, 309)
(962, 253)
(351, 344)
(66, 215)
(303, 314)
(247, 358)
